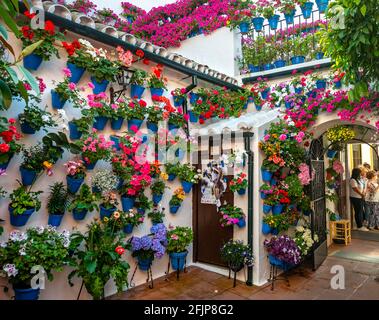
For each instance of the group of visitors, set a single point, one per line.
(364, 197)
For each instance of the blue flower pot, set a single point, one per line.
(273, 21)
(128, 228)
(277, 209)
(331, 154)
(338, 84)
(299, 90)
(321, 84)
(264, 94)
(297, 59)
(244, 27)
(258, 108)
(76, 72)
(116, 141)
(174, 209)
(193, 97)
(258, 23)
(134, 122)
(79, 214)
(156, 92)
(106, 212)
(274, 182)
(306, 9)
(266, 175)
(253, 68)
(19, 220)
(266, 229)
(187, 186)
(263, 195)
(74, 132)
(152, 127)
(278, 263)
(268, 66)
(279, 63)
(274, 231)
(290, 17)
(245, 106)
(116, 124)
(55, 220)
(157, 198)
(171, 177)
(99, 86)
(100, 123)
(322, 5)
(26, 128)
(127, 203)
(178, 101)
(32, 61)
(144, 264)
(26, 294)
(241, 223)
(178, 260)
(193, 117)
(136, 91)
(319, 55)
(172, 127)
(28, 176)
(266, 208)
(73, 185)
(241, 191)
(56, 101)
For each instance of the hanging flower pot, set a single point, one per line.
(100, 123)
(174, 209)
(178, 260)
(321, 84)
(32, 61)
(74, 132)
(106, 212)
(193, 98)
(266, 175)
(266, 208)
(128, 229)
(273, 21)
(127, 203)
(290, 17)
(258, 23)
(120, 183)
(172, 126)
(157, 198)
(152, 127)
(99, 86)
(266, 229)
(279, 63)
(156, 92)
(288, 105)
(78, 214)
(241, 191)
(116, 124)
(263, 195)
(241, 223)
(253, 68)
(178, 101)
(193, 117)
(25, 293)
(134, 122)
(4, 165)
(136, 91)
(144, 264)
(171, 177)
(320, 55)
(19, 220)
(76, 72)
(277, 209)
(306, 9)
(337, 84)
(28, 176)
(26, 128)
(264, 93)
(187, 186)
(268, 66)
(258, 107)
(73, 185)
(56, 101)
(116, 140)
(331, 154)
(244, 27)
(322, 5)
(274, 181)
(297, 59)
(55, 220)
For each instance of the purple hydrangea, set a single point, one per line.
(159, 250)
(160, 232)
(136, 244)
(146, 243)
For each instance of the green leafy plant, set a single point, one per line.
(104, 181)
(104, 69)
(143, 202)
(156, 79)
(36, 118)
(172, 168)
(270, 166)
(70, 92)
(136, 109)
(23, 199)
(33, 158)
(158, 187)
(230, 215)
(189, 173)
(154, 114)
(139, 77)
(84, 200)
(178, 239)
(156, 215)
(57, 202)
(295, 188)
(238, 183)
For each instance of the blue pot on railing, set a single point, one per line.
(244, 27)
(78, 214)
(331, 154)
(277, 209)
(157, 198)
(73, 185)
(28, 176)
(99, 86)
(338, 84)
(253, 68)
(55, 220)
(297, 59)
(74, 132)
(290, 17)
(264, 94)
(76, 72)
(26, 128)
(144, 264)
(174, 209)
(116, 140)
(279, 63)
(187, 186)
(116, 124)
(172, 126)
(193, 98)
(266, 208)
(306, 9)
(258, 23)
(156, 92)
(136, 91)
(56, 101)
(134, 122)
(171, 177)
(321, 84)
(32, 61)
(322, 5)
(178, 260)
(320, 55)
(266, 175)
(100, 122)
(152, 126)
(127, 203)
(273, 21)
(19, 220)
(241, 191)
(128, 229)
(258, 107)
(266, 229)
(25, 293)
(268, 66)
(106, 212)
(241, 223)
(279, 263)
(193, 117)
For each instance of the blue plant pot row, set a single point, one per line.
(19, 220)
(178, 260)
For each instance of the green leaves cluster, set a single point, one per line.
(23, 199)
(178, 239)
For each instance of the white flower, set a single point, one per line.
(3, 244)
(17, 235)
(10, 269)
(46, 118)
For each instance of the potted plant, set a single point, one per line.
(288, 8)
(83, 202)
(33, 118)
(154, 116)
(108, 205)
(156, 82)
(98, 258)
(178, 239)
(337, 136)
(137, 84)
(304, 240)
(306, 8)
(142, 203)
(188, 175)
(267, 170)
(38, 246)
(281, 199)
(150, 246)
(130, 219)
(156, 215)
(136, 112)
(239, 184)
(79, 126)
(265, 190)
(117, 114)
(99, 109)
(104, 181)
(32, 164)
(157, 189)
(176, 200)
(176, 120)
(8, 141)
(57, 203)
(172, 170)
(76, 172)
(257, 20)
(179, 95)
(236, 255)
(268, 203)
(231, 215)
(268, 12)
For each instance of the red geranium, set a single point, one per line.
(119, 250)
(50, 27)
(4, 147)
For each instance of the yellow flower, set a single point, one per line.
(164, 176)
(106, 219)
(47, 164)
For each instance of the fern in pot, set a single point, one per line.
(57, 203)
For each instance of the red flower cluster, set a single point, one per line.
(27, 32)
(8, 136)
(71, 47)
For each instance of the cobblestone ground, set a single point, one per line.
(362, 281)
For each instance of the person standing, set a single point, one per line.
(357, 196)
(366, 210)
(372, 200)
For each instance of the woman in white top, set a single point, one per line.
(372, 200)
(357, 196)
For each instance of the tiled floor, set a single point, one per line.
(362, 282)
